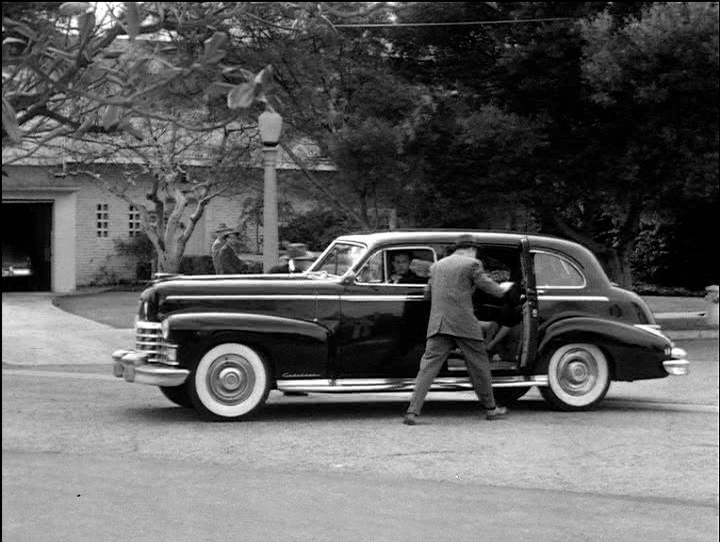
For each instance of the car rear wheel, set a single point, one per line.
(231, 381)
(177, 394)
(578, 377)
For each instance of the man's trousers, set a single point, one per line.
(437, 349)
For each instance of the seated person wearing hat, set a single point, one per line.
(298, 259)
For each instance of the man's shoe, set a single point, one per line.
(410, 419)
(497, 413)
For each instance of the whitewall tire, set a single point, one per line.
(578, 377)
(231, 381)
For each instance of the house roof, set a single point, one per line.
(199, 150)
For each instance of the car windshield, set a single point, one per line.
(340, 258)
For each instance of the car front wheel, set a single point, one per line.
(231, 381)
(578, 377)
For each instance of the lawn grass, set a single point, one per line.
(116, 309)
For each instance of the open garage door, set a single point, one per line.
(26, 246)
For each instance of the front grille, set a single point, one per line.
(148, 338)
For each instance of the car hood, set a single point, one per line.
(266, 284)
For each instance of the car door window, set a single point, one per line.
(552, 271)
(373, 271)
(379, 267)
(414, 261)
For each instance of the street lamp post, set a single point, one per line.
(270, 125)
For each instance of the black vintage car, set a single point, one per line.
(221, 343)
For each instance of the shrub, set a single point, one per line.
(197, 265)
(316, 228)
(142, 250)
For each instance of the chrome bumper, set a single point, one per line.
(133, 367)
(678, 365)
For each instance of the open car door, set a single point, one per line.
(530, 306)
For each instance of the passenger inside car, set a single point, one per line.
(409, 266)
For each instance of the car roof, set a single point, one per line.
(448, 235)
(579, 253)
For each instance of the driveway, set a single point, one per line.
(34, 332)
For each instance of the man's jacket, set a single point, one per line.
(452, 282)
(230, 264)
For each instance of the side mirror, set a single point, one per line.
(348, 279)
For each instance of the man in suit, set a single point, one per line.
(229, 256)
(221, 236)
(402, 273)
(452, 323)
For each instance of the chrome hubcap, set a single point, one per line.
(577, 372)
(230, 379)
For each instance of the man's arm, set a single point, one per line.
(485, 283)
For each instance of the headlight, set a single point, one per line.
(165, 326)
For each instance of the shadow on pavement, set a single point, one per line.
(309, 409)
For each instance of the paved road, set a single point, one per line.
(89, 457)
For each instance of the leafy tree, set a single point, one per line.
(618, 108)
(654, 79)
(317, 228)
(69, 81)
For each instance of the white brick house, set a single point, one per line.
(78, 221)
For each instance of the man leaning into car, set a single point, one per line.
(452, 323)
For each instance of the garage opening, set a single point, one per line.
(26, 246)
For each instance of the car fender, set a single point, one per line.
(632, 352)
(294, 348)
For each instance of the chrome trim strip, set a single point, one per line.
(353, 385)
(573, 298)
(351, 297)
(265, 297)
(153, 375)
(144, 324)
(678, 353)
(309, 297)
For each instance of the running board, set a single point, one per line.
(355, 385)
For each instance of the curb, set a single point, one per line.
(686, 334)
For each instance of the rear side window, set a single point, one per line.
(552, 271)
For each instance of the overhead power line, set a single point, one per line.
(452, 23)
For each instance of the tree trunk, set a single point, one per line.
(617, 264)
(169, 261)
(392, 221)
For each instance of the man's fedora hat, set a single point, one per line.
(466, 241)
(223, 229)
(298, 250)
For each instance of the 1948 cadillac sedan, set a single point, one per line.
(221, 343)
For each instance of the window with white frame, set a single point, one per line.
(102, 219)
(134, 223)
